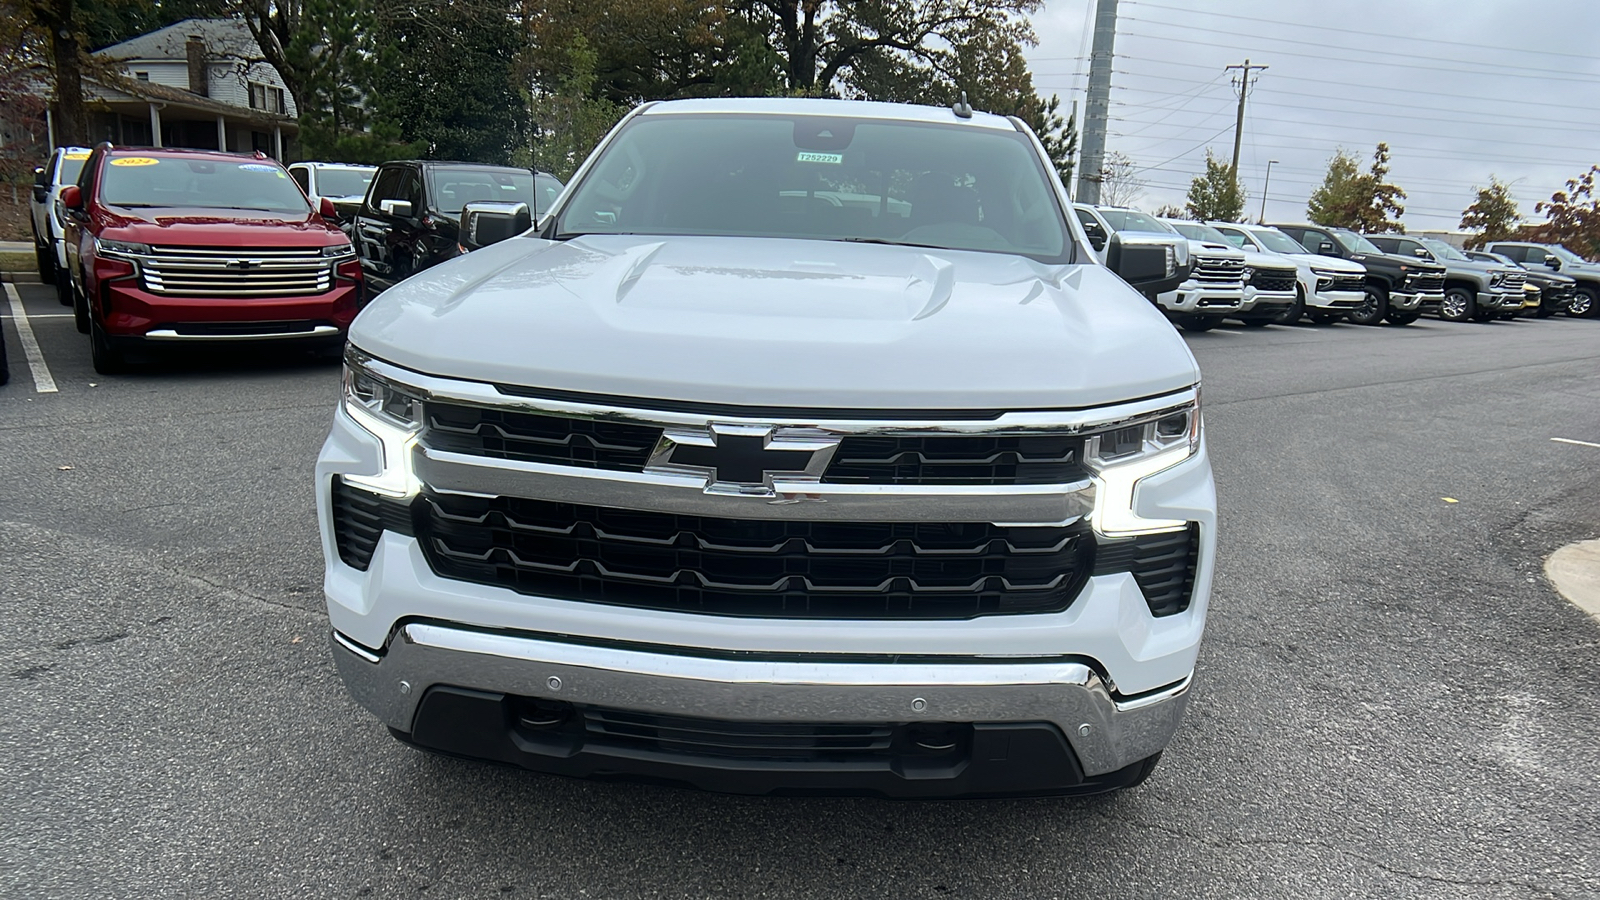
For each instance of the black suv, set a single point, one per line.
(1397, 287)
(411, 218)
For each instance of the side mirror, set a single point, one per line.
(41, 185)
(485, 222)
(1325, 248)
(1097, 238)
(1421, 253)
(325, 208)
(400, 209)
(1553, 262)
(1140, 263)
(72, 197)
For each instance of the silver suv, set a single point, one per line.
(804, 447)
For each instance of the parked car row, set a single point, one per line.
(158, 247)
(1228, 270)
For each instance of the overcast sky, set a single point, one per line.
(1484, 86)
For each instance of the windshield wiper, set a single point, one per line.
(886, 241)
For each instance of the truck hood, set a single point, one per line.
(1258, 260)
(1214, 250)
(784, 323)
(1328, 263)
(219, 228)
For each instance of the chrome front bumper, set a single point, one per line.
(1407, 302)
(1107, 732)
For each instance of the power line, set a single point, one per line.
(1498, 70)
(1368, 35)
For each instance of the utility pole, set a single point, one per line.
(1098, 110)
(1238, 125)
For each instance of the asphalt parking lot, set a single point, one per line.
(1392, 702)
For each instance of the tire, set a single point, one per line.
(80, 307)
(1485, 315)
(1296, 309)
(1259, 321)
(1325, 318)
(1458, 305)
(1373, 308)
(1584, 303)
(63, 289)
(107, 361)
(1197, 323)
(44, 259)
(1544, 312)
(1403, 318)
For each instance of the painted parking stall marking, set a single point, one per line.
(42, 382)
(1579, 443)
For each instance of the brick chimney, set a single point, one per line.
(199, 78)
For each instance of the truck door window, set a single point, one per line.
(390, 186)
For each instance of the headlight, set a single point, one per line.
(104, 247)
(1122, 456)
(1182, 252)
(390, 414)
(1496, 279)
(1172, 260)
(339, 250)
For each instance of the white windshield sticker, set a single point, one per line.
(830, 158)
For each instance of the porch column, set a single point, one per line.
(155, 125)
(277, 142)
(222, 135)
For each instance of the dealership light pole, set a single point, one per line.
(1264, 185)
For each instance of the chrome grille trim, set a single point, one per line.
(1213, 269)
(237, 271)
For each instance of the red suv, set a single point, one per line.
(166, 247)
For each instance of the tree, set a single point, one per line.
(1120, 184)
(445, 73)
(1493, 215)
(1170, 211)
(1216, 195)
(1572, 217)
(568, 119)
(1363, 201)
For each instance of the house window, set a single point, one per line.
(267, 97)
(142, 76)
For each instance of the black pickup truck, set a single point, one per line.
(1397, 287)
(411, 218)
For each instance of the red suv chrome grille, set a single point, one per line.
(236, 272)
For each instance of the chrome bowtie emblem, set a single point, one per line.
(244, 264)
(745, 459)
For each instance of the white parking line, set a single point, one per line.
(1579, 443)
(1225, 331)
(42, 382)
(40, 316)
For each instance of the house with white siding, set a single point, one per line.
(200, 83)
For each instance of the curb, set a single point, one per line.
(1575, 572)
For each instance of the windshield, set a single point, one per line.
(1355, 243)
(1565, 254)
(1445, 250)
(1276, 241)
(344, 182)
(1128, 220)
(200, 183)
(955, 187)
(456, 186)
(1236, 239)
(1194, 231)
(71, 167)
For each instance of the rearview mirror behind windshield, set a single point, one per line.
(485, 222)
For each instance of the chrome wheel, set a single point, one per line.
(1582, 304)
(1456, 306)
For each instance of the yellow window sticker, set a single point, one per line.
(134, 161)
(76, 154)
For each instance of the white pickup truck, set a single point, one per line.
(49, 247)
(803, 446)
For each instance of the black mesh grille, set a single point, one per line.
(1162, 564)
(1043, 459)
(1273, 280)
(736, 740)
(1425, 282)
(360, 517)
(533, 437)
(1342, 283)
(784, 569)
